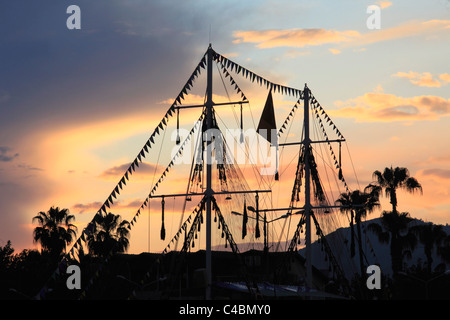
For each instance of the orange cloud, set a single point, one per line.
(299, 38)
(384, 4)
(335, 51)
(408, 29)
(145, 169)
(379, 106)
(94, 206)
(294, 37)
(424, 79)
(445, 77)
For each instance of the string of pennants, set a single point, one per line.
(197, 213)
(225, 230)
(226, 63)
(145, 203)
(316, 104)
(150, 141)
(318, 108)
(126, 176)
(232, 81)
(163, 175)
(250, 75)
(198, 219)
(288, 118)
(239, 90)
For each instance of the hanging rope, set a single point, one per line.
(257, 232)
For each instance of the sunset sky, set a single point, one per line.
(76, 106)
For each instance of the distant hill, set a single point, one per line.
(376, 252)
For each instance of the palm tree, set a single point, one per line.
(390, 180)
(430, 235)
(359, 204)
(401, 241)
(55, 230)
(110, 235)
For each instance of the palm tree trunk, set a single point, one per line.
(361, 262)
(393, 196)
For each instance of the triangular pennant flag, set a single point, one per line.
(267, 120)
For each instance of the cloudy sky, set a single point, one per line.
(76, 106)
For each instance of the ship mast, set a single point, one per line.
(307, 143)
(209, 106)
(209, 193)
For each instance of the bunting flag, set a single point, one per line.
(267, 125)
(267, 121)
(317, 105)
(319, 112)
(233, 82)
(145, 149)
(288, 118)
(249, 75)
(171, 163)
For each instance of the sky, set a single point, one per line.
(77, 105)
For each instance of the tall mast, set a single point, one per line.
(209, 106)
(307, 143)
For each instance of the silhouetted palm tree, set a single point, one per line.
(55, 230)
(110, 235)
(359, 204)
(401, 241)
(430, 235)
(390, 180)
